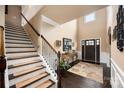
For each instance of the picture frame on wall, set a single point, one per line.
(67, 44)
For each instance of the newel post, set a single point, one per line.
(2, 58)
(58, 70)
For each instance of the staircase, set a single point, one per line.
(25, 68)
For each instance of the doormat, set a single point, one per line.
(88, 70)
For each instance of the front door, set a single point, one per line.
(91, 50)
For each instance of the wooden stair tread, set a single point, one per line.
(28, 81)
(22, 57)
(26, 71)
(22, 64)
(20, 51)
(46, 84)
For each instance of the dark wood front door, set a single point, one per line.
(91, 50)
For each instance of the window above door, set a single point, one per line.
(90, 17)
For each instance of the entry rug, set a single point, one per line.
(88, 70)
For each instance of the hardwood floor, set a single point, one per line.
(70, 80)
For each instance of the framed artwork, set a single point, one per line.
(67, 44)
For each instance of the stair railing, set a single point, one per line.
(2, 58)
(51, 56)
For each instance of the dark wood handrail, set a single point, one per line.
(39, 34)
(30, 25)
(48, 43)
(2, 71)
(58, 70)
(2, 60)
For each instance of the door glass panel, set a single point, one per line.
(87, 42)
(82, 42)
(92, 42)
(97, 42)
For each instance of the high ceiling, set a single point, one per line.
(65, 13)
(60, 13)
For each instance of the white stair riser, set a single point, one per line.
(11, 27)
(17, 45)
(22, 78)
(19, 55)
(17, 41)
(16, 32)
(32, 59)
(14, 70)
(19, 49)
(39, 82)
(13, 35)
(19, 38)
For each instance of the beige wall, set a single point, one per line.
(2, 22)
(95, 29)
(13, 15)
(53, 33)
(29, 11)
(69, 30)
(2, 15)
(117, 56)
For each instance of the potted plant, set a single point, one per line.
(64, 66)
